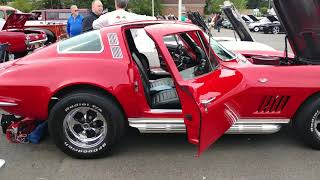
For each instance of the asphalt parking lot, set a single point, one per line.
(170, 156)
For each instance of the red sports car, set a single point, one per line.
(93, 86)
(20, 40)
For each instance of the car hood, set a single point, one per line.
(16, 21)
(245, 46)
(272, 18)
(301, 20)
(237, 22)
(253, 18)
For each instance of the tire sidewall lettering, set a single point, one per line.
(85, 151)
(314, 117)
(77, 105)
(73, 147)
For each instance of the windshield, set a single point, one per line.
(222, 52)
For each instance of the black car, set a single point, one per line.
(274, 26)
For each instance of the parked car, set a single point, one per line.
(20, 40)
(209, 92)
(52, 21)
(249, 19)
(52, 24)
(274, 28)
(266, 20)
(54, 16)
(226, 24)
(6, 11)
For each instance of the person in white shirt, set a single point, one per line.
(2, 22)
(120, 15)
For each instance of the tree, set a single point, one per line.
(22, 5)
(145, 7)
(252, 4)
(213, 6)
(3, 2)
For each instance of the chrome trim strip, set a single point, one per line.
(8, 104)
(165, 125)
(165, 110)
(254, 129)
(176, 125)
(39, 41)
(263, 121)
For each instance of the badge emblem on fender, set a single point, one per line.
(263, 80)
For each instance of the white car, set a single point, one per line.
(255, 26)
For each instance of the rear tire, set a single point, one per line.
(307, 123)
(86, 124)
(275, 30)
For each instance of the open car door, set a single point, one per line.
(205, 89)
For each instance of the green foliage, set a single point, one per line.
(213, 6)
(22, 5)
(3, 2)
(145, 7)
(264, 10)
(252, 4)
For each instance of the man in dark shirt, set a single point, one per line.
(96, 11)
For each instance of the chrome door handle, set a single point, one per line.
(206, 102)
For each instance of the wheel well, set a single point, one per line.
(305, 102)
(83, 87)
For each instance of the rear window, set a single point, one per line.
(89, 42)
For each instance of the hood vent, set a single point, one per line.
(273, 104)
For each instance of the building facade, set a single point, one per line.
(171, 6)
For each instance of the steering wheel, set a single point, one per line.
(202, 61)
(179, 57)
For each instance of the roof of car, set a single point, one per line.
(171, 24)
(7, 8)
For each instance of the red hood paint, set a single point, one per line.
(16, 21)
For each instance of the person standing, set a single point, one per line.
(118, 16)
(74, 24)
(96, 11)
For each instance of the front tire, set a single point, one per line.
(256, 29)
(86, 124)
(307, 123)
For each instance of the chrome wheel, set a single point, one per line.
(276, 30)
(316, 124)
(256, 29)
(85, 127)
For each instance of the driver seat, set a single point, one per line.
(164, 99)
(155, 85)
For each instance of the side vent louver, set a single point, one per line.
(273, 104)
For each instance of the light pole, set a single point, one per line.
(152, 7)
(269, 4)
(180, 10)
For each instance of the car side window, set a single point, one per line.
(9, 12)
(190, 57)
(2, 15)
(89, 42)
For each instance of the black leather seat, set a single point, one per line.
(165, 98)
(155, 85)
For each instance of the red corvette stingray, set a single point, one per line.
(91, 87)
